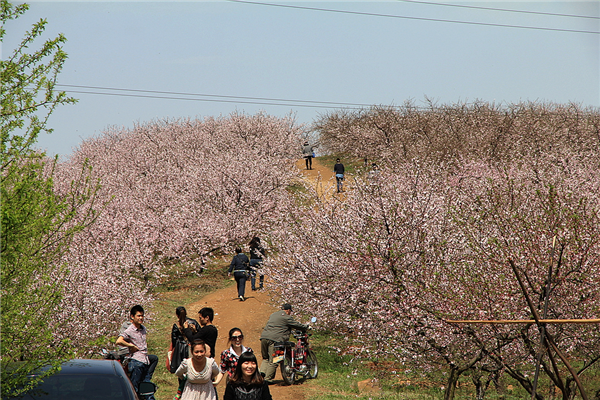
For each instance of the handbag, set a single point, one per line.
(178, 354)
(169, 356)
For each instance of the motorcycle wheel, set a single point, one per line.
(287, 370)
(312, 364)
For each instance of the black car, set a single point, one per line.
(87, 379)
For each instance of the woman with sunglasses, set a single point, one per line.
(247, 382)
(229, 357)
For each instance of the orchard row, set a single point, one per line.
(467, 198)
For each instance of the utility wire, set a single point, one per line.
(230, 99)
(270, 100)
(501, 9)
(413, 18)
(213, 100)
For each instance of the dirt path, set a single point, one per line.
(319, 176)
(251, 315)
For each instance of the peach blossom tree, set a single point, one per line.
(171, 193)
(411, 248)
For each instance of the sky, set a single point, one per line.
(133, 63)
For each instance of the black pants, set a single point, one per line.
(308, 162)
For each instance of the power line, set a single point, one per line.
(413, 18)
(263, 99)
(501, 9)
(290, 104)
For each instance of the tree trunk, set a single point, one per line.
(451, 386)
(480, 386)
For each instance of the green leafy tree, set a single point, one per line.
(38, 221)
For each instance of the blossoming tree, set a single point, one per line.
(171, 193)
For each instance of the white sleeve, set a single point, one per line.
(183, 368)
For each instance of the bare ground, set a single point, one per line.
(251, 315)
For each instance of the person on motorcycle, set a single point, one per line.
(278, 329)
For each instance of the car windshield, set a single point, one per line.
(78, 387)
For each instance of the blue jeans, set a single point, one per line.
(141, 372)
(340, 182)
(255, 264)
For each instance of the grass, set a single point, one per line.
(352, 165)
(169, 296)
(339, 373)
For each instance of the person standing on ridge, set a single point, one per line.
(338, 170)
(308, 152)
(240, 266)
(278, 329)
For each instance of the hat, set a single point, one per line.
(286, 306)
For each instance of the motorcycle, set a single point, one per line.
(118, 355)
(297, 360)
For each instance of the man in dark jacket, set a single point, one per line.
(240, 266)
(278, 329)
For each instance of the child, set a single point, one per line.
(200, 372)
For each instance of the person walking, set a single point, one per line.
(247, 383)
(202, 374)
(257, 252)
(141, 364)
(338, 170)
(278, 329)
(229, 357)
(240, 266)
(308, 153)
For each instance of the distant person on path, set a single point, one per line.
(278, 329)
(338, 170)
(141, 364)
(308, 152)
(179, 341)
(247, 383)
(200, 372)
(257, 252)
(374, 171)
(229, 357)
(240, 266)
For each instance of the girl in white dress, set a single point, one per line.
(201, 371)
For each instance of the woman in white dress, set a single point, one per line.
(202, 373)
